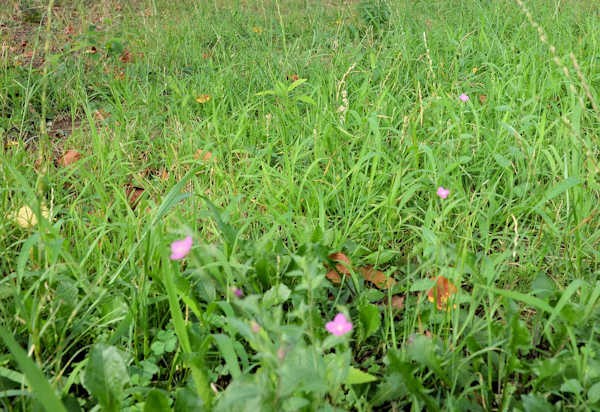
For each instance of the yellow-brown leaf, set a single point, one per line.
(441, 292)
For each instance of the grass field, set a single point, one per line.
(191, 193)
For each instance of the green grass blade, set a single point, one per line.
(40, 386)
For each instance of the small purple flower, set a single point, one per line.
(339, 325)
(180, 248)
(443, 193)
(237, 291)
(464, 97)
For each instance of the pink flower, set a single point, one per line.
(237, 291)
(254, 327)
(180, 248)
(443, 193)
(339, 325)
(464, 97)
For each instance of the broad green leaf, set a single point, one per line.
(356, 376)
(156, 401)
(105, 376)
(593, 393)
(535, 403)
(502, 161)
(186, 400)
(370, 319)
(571, 386)
(276, 295)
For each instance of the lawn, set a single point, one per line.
(300, 205)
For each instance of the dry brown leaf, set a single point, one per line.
(133, 194)
(441, 292)
(398, 302)
(482, 98)
(71, 156)
(333, 276)
(342, 266)
(163, 175)
(204, 155)
(377, 277)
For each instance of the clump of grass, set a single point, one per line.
(375, 13)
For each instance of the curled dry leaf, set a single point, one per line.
(133, 194)
(71, 156)
(482, 98)
(377, 277)
(342, 266)
(441, 292)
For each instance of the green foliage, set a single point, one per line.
(323, 128)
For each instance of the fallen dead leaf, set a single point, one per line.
(203, 98)
(377, 277)
(398, 302)
(126, 57)
(441, 292)
(342, 266)
(482, 98)
(204, 155)
(133, 194)
(26, 217)
(71, 156)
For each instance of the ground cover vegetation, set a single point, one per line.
(299, 205)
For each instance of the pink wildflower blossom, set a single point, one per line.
(443, 193)
(180, 248)
(339, 325)
(464, 97)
